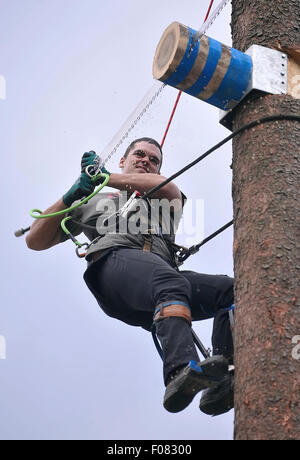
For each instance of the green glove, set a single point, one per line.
(89, 159)
(82, 187)
(92, 159)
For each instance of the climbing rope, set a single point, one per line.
(246, 127)
(183, 253)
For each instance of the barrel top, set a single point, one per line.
(170, 50)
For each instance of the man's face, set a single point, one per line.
(143, 158)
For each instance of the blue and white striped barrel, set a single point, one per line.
(204, 68)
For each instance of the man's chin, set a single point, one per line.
(141, 170)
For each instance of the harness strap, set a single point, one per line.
(171, 309)
(147, 243)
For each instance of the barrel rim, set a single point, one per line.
(175, 56)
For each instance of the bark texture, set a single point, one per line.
(266, 197)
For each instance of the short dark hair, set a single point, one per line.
(143, 139)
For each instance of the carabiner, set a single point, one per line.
(95, 168)
(181, 253)
(93, 172)
(83, 254)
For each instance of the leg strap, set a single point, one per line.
(147, 243)
(231, 318)
(171, 309)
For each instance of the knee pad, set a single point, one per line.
(172, 309)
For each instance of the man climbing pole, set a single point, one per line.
(133, 274)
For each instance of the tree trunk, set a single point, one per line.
(266, 197)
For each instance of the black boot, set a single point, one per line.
(191, 379)
(220, 398)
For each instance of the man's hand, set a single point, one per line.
(89, 159)
(92, 159)
(82, 187)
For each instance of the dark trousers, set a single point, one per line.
(129, 283)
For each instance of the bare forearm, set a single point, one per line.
(143, 183)
(45, 233)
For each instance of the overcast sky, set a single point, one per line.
(74, 71)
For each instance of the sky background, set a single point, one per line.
(74, 71)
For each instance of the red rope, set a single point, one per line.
(171, 118)
(208, 11)
(180, 92)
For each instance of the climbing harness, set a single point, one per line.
(94, 171)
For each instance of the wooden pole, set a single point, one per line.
(266, 197)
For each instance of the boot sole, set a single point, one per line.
(192, 379)
(220, 403)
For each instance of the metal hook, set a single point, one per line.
(83, 254)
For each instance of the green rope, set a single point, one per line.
(40, 214)
(68, 233)
(72, 208)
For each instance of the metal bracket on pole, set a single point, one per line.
(269, 75)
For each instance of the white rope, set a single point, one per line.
(211, 19)
(132, 121)
(149, 98)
